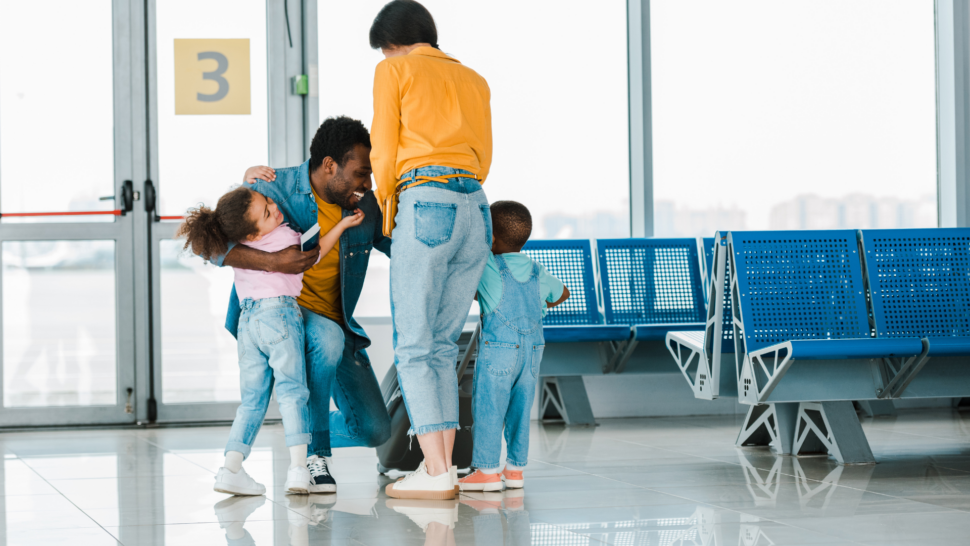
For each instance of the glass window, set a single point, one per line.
(59, 336)
(559, 105)
(199, 359)
(203, 156)
(759, 123)
(56, 108)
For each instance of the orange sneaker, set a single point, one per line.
(478, 481)
(513, 478)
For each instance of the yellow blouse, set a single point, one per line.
(429, 109)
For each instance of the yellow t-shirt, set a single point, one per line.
(321, 283)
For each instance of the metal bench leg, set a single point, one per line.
(786, 418)
(832, 427)
(758, 428)
(565, 397)
(877, 408)
(770, 424)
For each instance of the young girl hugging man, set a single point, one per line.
(270, 337)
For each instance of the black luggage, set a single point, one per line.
(401, 452)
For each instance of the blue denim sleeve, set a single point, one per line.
(381, 242)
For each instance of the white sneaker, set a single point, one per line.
(423, 513)
(298, 480)
(421, 485)
(237, 483)
(454, 478)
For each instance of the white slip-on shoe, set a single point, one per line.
(454, 478)
(321, 481)
(423, 512)
(421, 485)
(237, 483)
(298, 480)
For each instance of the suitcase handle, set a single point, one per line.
(472, 346)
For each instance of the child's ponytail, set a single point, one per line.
(208, 232)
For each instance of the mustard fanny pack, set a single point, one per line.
(391, 201)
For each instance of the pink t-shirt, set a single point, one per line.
(265, 284)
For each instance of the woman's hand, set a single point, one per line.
(259, 172)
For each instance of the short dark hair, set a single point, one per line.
(403, 23)
(511, 223)
(336, 139)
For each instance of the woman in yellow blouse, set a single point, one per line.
(432, 148)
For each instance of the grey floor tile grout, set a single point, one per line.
(737, 511)
(273, 501)
(835, 484)
(96, 522)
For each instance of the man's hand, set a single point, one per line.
(259, 172)
(292, 260)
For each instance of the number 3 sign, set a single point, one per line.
(212, 77)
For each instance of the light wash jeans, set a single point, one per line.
(506, 371)
(334, 370)
(270, 347)
(438, 252)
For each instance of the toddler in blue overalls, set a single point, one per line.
(513, 294)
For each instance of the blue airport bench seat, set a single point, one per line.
(919, 283)
(801, 296)
(699, 354)
(577, 319)
(805, 339)
(654, 287)
(578, 339)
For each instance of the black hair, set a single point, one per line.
(336, 139)
(511, 223)
(403, 23)
(209, 231)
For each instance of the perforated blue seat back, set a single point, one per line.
(799, 285)
(727, 329)
(919, 280)
(651, 281)
(571, 261)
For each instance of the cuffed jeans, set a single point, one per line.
(270, 348)
(334, 370)
(438, 252)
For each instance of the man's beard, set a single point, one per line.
(343, 201)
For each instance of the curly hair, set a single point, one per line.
(208, 232)
(511, 223)
(336, 139)
(403, 23)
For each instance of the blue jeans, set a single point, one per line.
(438, 252)
(270, 347)
(334, 370)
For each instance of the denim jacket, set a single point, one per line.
(292, 193)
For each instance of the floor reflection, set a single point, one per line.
(636, 482)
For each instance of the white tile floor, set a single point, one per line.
(665, 481)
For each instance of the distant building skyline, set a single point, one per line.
(806, 211)
(853, 211)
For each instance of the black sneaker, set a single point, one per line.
(320, 479)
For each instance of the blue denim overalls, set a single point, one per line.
(506, 370)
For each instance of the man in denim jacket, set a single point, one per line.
(335, 181)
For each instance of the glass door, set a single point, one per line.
(209, 122)
(67, 350)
